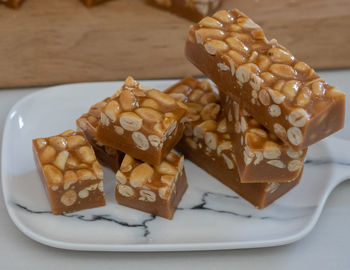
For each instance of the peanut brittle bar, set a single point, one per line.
(258, 154)
(143, 123)
(221, 167)
(152, 189)
(282, 93)
(87, 123)
(193, 10)
(71, 175)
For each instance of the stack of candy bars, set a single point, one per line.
(272, 107)
(252, 135)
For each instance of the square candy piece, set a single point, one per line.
(71, 175)
(143, 123)
(152, 189)
(87, 123)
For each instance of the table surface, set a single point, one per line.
(326, 247)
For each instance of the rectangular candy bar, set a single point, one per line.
(12, 3)
(71, 175)
(87, 123)
(193, 10)
(223, 169)
(283, 94)
(258, 154)
(152, 189)
(143, 123)
(207, 143)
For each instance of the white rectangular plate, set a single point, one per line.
(209, 217)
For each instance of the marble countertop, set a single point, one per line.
(326, 247)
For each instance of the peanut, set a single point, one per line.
(147, 196)
(69, 198)
(86, 154)
(130, 121)
(166, 168)
(125, 190)
(48, 154)
(140, 140)
(75, 141)
(140, 175)
(149, 115)
(52, 174)
(61, 159)
(209, 22)
(161, 97)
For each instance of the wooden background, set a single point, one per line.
(60, 41)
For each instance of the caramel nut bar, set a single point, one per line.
(143, 123)
(71, 175)
(207, 143)
(87, 123)
(12, 3)
(152, 189)
(223, 169)
(193, 10)
(91, 3)
(282, 93)
(259, 155)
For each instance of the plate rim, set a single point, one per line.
(147, 247)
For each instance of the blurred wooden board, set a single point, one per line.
(61, 41)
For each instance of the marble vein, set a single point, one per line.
(93, 218)
(203, 205)
(279, 215)
(325, 162)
